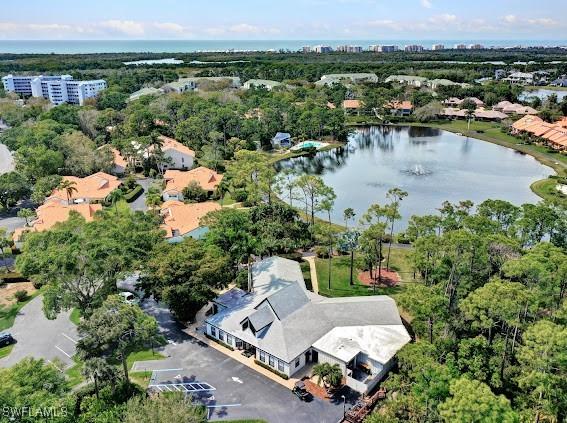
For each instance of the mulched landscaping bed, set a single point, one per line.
(389, 278)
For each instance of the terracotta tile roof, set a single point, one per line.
(528, 120)
(180, 218)
(177, 180)
(93, 187)
(399, 105)
(514, 108)
(118, 159)
(562, 122)
(171, 144)
(53, 212)
(352, 104)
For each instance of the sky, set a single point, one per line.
(284, 20)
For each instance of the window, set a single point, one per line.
(297, 362)
(229, 339)
(281, 367)
(221, 335)
(213, 331)
(272, 362)
(262, 356)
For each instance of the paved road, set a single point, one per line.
(240, 392)
(39, 337)
(140, 202)
(6, 160)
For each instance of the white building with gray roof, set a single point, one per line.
(288, 327)
(348, 78)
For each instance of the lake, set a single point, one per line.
(542, 93)
(430, 164)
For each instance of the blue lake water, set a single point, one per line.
(542, 93)
(430, 164)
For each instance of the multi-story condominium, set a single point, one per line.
(57, 89)
(349, 49)
(414, 48)
(460, 47)
(387, 48)
(306, 49)
(476, 46)
(438, 47)
(322, 49)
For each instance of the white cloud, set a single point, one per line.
(510, 19)
(130, 28)
(426, 3)
(170, 27)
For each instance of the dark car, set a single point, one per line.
(300, 392)
(6, 339)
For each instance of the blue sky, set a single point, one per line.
(288, 19)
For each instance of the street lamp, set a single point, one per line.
(344, 406)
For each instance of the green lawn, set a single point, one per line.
(547, 189)
(143, 355)
(141, 378)
(340, 280)
(5, 351)
(74, 376)
(75, 316)
(227, 200)
(8, 314)
(340, 275)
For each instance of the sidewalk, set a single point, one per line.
(313, 269)
(196, 330)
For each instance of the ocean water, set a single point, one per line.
(192, 46)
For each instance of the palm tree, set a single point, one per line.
(396, 195)
(115, 196)
(331, 375)
(69, 187)
(348, 215)
(99, 370)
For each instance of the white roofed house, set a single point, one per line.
(288, 327)
(261, 83)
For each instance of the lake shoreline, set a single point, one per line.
(558, 167)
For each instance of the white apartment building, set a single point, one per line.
(414, 48)
(57, 89)
(436, 47)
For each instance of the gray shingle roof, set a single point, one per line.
(301, 317)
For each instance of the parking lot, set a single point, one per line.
(38, 337)
(231, 390)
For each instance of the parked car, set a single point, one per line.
(129, 297)
(6, 338)
(300, 392)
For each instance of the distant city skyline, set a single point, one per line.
(293, 19)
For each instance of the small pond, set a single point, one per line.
(430, 164)
(542, 93)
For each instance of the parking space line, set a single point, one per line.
(187, 387)
(167, 370)
(63, 351)
(69, 338)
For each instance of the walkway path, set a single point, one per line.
(313, 270)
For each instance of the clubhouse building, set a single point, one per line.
(288, 328)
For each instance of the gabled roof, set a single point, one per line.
(118, 159)
(280, 136)
(294, 319)
(177, 180)
(172, 144)
(399, 105)
(352, 104)
(179, 218)
(93, 187)
(53, 212)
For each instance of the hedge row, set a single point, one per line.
(135, 193)
(212, 338)
(265, 366)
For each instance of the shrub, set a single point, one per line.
(239, 195)
(218, 341)
(265, 366)
(21, 295)
(321, 251)
(133, 194)
(193, 192)
(403, 238)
